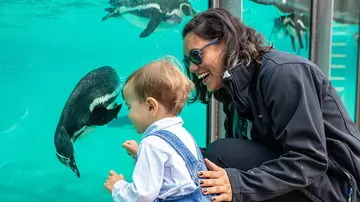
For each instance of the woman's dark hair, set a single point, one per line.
(242, 43)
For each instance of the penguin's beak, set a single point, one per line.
(68, 163)
(74, 168)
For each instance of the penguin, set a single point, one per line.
(294, 25)
(170, 12)
(91, 103)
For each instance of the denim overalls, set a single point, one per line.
(193, 165)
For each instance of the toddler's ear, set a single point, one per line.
(152, 104)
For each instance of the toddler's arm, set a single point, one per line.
(147, 177)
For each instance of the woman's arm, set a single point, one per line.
(293, 96)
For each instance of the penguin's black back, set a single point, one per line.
(95, 84)
(165, 5)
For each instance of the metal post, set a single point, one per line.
(213, 120)
(357, 108)
(213, 107)
(217, 116)
(214, 3)
(321, 33)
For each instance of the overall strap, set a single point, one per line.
(179, 147)
(199, 154)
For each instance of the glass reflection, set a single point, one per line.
(286, 23)
(344, 56)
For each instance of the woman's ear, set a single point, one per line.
(153, 105)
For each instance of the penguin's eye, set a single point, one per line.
(63, 159)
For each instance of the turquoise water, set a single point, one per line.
(46, 47)
(343, 70)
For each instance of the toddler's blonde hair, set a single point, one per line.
(163, 80)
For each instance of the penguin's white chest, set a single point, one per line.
(85, 130)
(142, 22)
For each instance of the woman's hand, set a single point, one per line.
(217, 182)
(131, 147)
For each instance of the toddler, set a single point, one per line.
(168, 158)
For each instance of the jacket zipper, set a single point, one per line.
(351, 185)
(237, 93)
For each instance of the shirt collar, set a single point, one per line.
(162, 124)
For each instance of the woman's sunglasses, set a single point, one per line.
(195, 55)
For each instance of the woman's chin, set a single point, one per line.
(213, 83)
(212, 88)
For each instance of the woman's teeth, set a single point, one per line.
(202, 75)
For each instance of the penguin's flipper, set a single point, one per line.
(274, 30)
(193, 12)
(188, 10)
(307, 36)
(98, 115)
(299, 36)
(153, 24)
(117, 110)
(110, 14)
(293, 43)
(106, 17)
(109, 9)
(101, 115)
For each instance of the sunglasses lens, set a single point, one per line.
(195, 57)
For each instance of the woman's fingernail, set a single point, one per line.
(204, 190)
(201, 182)
(213, 198)
(200, 173)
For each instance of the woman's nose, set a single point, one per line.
(193, 68)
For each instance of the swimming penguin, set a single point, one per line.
(171, 12)
(91, 103)
(295, 26)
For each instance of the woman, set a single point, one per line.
(290, 137)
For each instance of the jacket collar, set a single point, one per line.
(240, 76)
(235, 81)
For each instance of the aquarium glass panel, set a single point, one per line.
(46, 47)
(284, 23)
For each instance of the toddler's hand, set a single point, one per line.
(112, 179)
(131, 147)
